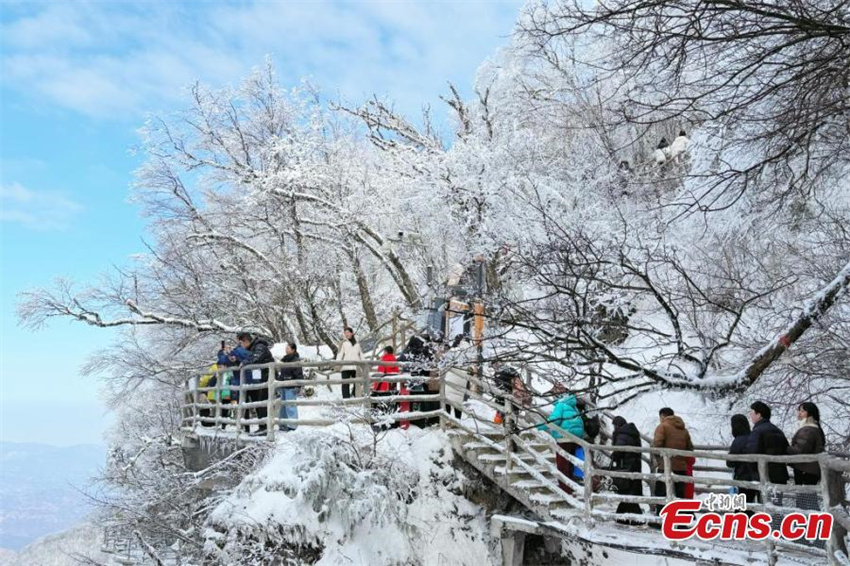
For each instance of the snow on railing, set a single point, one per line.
(201, 411)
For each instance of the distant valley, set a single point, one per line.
(41, 489)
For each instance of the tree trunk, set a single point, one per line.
(363, 287)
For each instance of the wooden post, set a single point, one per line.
(478, 335)
(508, 423)
(668, 477)
(832, 491)
(513, 547)
(217, 396)
(765, 498)
(365, 389)
(238, 409)
(271, 416)
(443, 374)
(588, 483)
(187, 400)
(196, 412)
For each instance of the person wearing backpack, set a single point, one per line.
(504, 382)
(767, 438)
(566, 416)
(671, 433)
(208, 380)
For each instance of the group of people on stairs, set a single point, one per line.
(571, 417)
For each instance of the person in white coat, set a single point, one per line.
(662, 152)
(349, 351)
(679, 146)
(457, 384)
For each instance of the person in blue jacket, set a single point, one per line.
(566, 416)
(233, 357)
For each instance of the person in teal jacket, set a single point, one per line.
(566, 416)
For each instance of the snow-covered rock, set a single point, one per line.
(345, 495)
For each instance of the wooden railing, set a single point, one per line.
(200, 411)
(520, 430)
(830, 495)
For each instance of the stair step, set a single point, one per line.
(502, 457)
(500, 433)
(531, 484)
(522, 471)
(544, 498)
(475, 445)
(562, 511)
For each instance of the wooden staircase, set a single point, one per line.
(528, 480)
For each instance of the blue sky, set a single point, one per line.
(78, 79)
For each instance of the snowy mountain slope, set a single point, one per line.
(40, 489)
(79, 542)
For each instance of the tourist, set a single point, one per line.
(565, 415)
(289, 393)
(671, 433)
(349, 351)
(259, 351)
(741, 471)
(626, 434)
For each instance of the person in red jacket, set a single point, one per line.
(385, 388)
(386, 357)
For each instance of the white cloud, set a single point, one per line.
(41, 210)
(114, 59)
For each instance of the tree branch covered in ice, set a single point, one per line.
(768, 82)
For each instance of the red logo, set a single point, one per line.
(679, 521)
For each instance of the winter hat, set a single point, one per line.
(618, 421)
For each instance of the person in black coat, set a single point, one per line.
(289, 393)
(767, 438)
(626, 434)
(741, 471)
(417, 359)
(260, 353)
